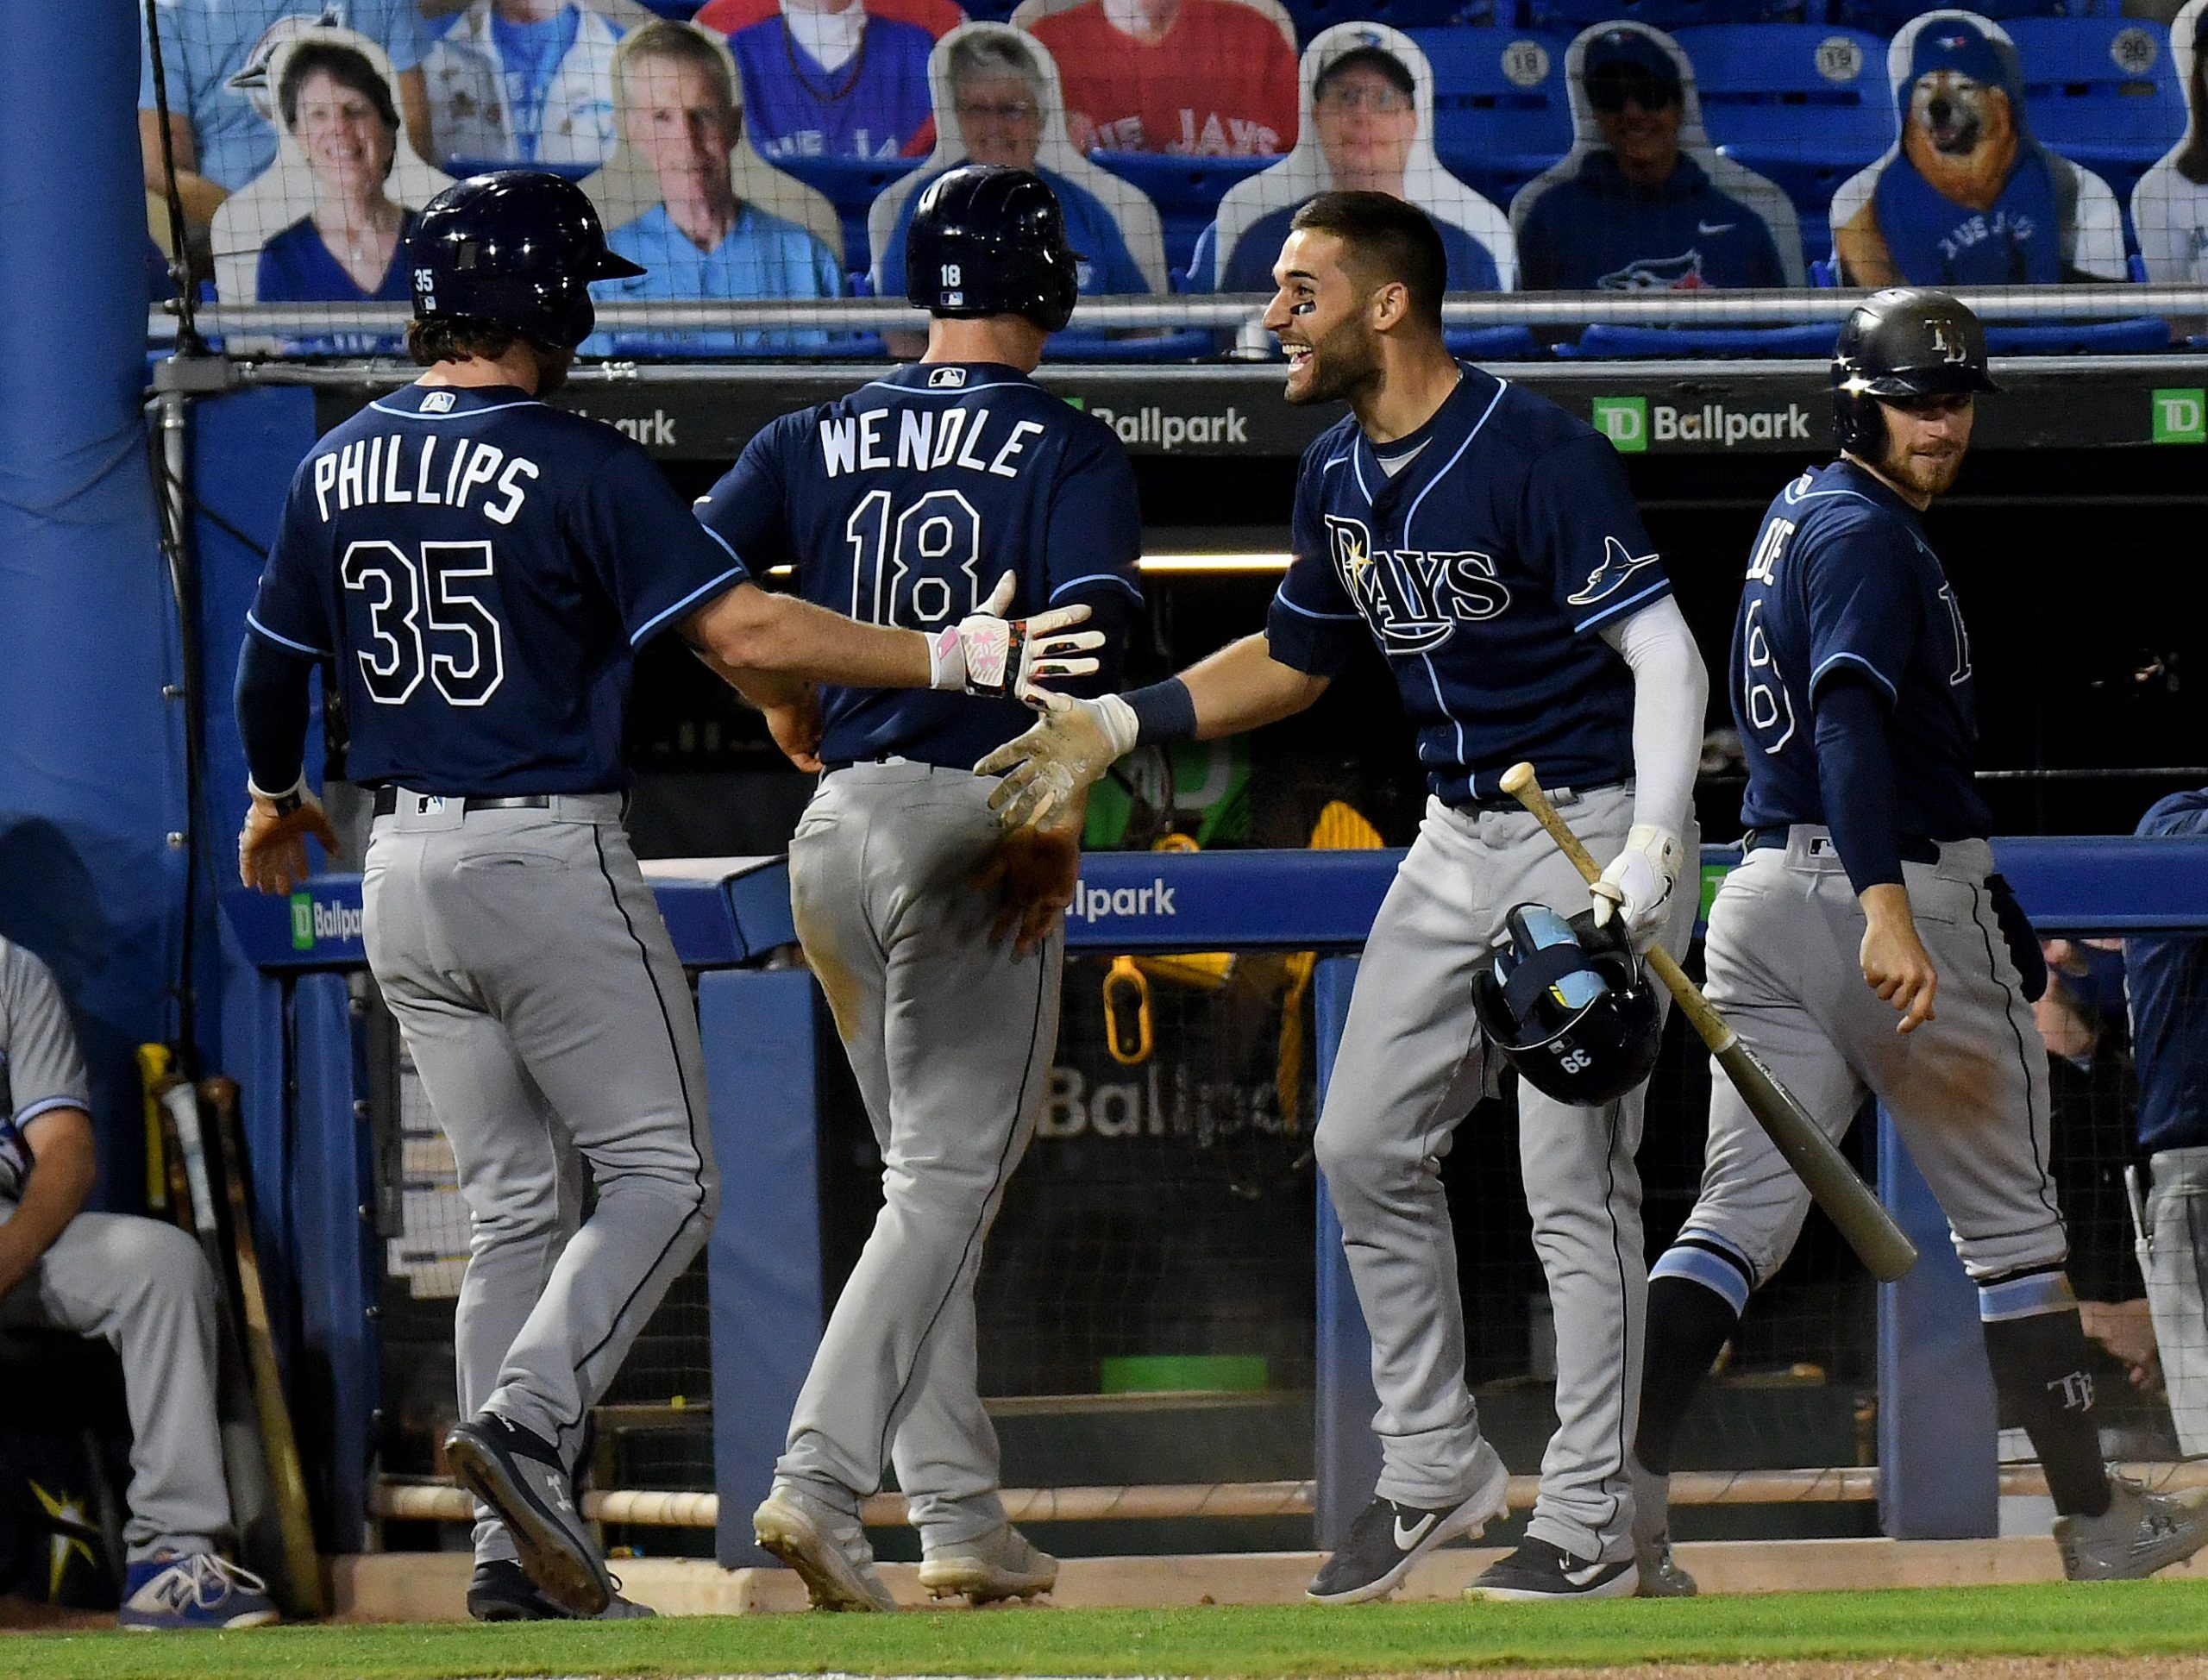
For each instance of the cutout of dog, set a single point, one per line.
(1966, 196)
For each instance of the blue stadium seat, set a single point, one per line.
(1186, 191)
(1886, 17)
(2103, 91)
(1181, 344)
(680, 10)
(852, 185)
(2139, 335)
(1601, 342)
(1516, 343)
(1500, 113)
(1571, 16)
(1806, 105)
(1310, 17)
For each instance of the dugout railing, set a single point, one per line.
(310, 1080)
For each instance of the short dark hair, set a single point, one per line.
(1386, 240)
(455, 338)
(344, 66)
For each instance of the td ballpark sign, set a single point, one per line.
(1635, 425)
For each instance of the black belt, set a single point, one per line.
(1510, 802)
(1912, 848)
(387, 802)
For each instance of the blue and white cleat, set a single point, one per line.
(171, 1594)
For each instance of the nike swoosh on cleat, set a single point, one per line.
(1408, 1538)
(1709, 227)
(1584, 1574)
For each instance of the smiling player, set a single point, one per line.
(1487, 543)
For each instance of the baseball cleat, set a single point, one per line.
(1660, 1572)
(1539, 1571)
(997, 1565)
(171, 1593)
(2139, 1533)
(826, 1547)
(519, 1475)
(500, 1590)
(1383, 1543)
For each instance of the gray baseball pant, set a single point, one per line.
(144, 1289)
(1967, 1091)
(2174, 1258)
(525, 960)
(1411, 1063)
(951, 1038)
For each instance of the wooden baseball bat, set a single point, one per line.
(302, 1563)
(1870, 1231)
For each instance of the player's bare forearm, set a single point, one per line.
(763, 690)
(1896, 965)
(53, 1193)
(200, 198)
(748, 633)
(1242, 686)
(414, 111)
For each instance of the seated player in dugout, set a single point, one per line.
(835, 78)
(673, 208)
(140, 1285)
(1193, 78)
(1643, 201)
(215, 61)
(998, 101)
(527, 81)
(1367, 125)
(2169, 207)
(1966, 196)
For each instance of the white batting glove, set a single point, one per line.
(989, 653)
(1638, 884)
(1073, 743)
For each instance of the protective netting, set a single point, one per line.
(760, 160)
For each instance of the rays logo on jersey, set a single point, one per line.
(1680, 273)
(1413, 600)
(1605, 580)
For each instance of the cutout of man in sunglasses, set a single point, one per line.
(1641, 202)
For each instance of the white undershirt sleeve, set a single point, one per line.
(1670, 697)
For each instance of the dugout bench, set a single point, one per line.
(293, 1003)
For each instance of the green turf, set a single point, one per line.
(2131, 1619)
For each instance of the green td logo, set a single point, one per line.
(1624, 421)
(2180, 416)
(301, 922)
(1081, 403)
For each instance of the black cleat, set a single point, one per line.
(1539, 1571)
(1388, 1539)
(519, 1475)
(500, 1590)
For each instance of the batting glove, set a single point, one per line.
(272, 846)
(989, 653)
(1073, 743)
(1638, 884)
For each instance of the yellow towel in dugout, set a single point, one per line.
(1128, 1035)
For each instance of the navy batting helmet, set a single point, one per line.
(986, 239)
(516, 247)
(1566, 1004)
(1904, 342)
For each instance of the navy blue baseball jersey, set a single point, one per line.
(904, 502)
(1841, 578)
(480, 567)
(2165, 977)
(1483, 569)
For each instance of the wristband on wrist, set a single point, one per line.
(1164, 711)
(285, 802)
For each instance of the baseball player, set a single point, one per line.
(141, 1286)
(1487, 543)
(479, 567)
(894, 504)
(1866, 854)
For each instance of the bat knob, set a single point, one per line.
(1517, 778)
